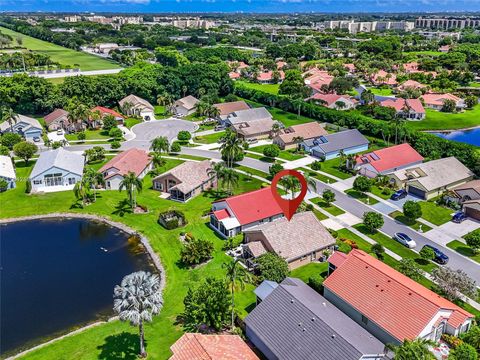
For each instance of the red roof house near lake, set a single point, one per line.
(390, 305)
(232, 215)
(388, 160)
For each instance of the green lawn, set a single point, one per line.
(260, 157)
(288, 155)
(90, 135)
(307, 271)
(130, 122)
(320, 216)
(332, 209)
(185, 156)
(415, 224)
(464, 249)
(379, 192)
(381, 92)
(361, 197)
(251, 171)
(434, 213)
(286, 118)
(437, 120)
(61, 54)
(268, 88)
(116, 339)
(208, 139)
(323, 178)
(332, 167)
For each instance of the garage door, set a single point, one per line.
(473, 213)
(417, 192)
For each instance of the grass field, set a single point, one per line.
(269, 88)
(437, 120)
(464, 249)
(398, 215)
(288, 155)
(286, 118)
(435, 214)
(381, 92)
(332, 209)
(61, 54)
(209, 139)
(361, 197)
(90, 135)
(379, 192)
(332, 167)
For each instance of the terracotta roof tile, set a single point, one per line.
(390, 158)
(134, 160)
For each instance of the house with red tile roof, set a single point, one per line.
(411, 84)
(106, 111)
(410, 109)
(267, 77)
(334, 101)
(390, 305)
(351, 68)
(133, 160)
(411, 67)
(57, 119)
(388, 160)
(383, 78)
(315, 79)
(195, 346)
(232, 215)
(234, 75)
(436, 101)
(288, 138)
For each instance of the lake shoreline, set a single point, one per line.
(451, 130)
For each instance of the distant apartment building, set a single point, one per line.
(192, 23)
(99, 19)
(431, 35)
(354, 27)
(128, 20)
(72, 18)
(446, 23)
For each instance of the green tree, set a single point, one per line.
(196, 251)
(97, 153)
(427, 253)
(272, 267)
(316, 165)
(413, 350)
(229, 179)
(293, 85)
(5, 151)
(271, 151)
(472, 337)
(132, 184)
(175, 147)
(160, 144)
(115, 133)
(409, 267)
(95, 179)
(184, 135)
(463, 352)
(236, 274)
(217, 171)
(291, 185)
(412, 210)
(157, 159)
(473, 240)
(170, 57)
(207, 305)
(362, 184)
(471, 101)
(109, 122)
(372, 221)
(81, 190)
(137, 299)
(25, 150)
(274, 169)
(449, 106)
(367, 96)
(10, 139)
(231, 148)
(328, 196)
(81, 135)
(378, 250)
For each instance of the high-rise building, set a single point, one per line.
(446, 23)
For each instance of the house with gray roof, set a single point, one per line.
(7, 171)
(245, 116)
(329, 146)
(185, 106)
(23, 125)
(294, 322)
(56, 170)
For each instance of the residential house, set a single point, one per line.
(186, 180)
(238, 213)
(7, 171)
(56, 170)
(227, 108)
(288, 138)
(388, 160)
(410, 109)
(411, 67)
(57, 119)
(134, 105)
(281, 64)
(444, 48)
(242, 116)
(106, 111)
(390, 305)
(268, 77)
(299, 241)
(351, 68)
(411, 84)
(317, 79)
(294, 322)
(334, 101)
(196, 346)
(23, 125)
(430, 179)
(383, 78)
(234, 75)
(436, 101)
(185, 106)
(468, 196)
(330, 146)
(132, 160)
(256, 129)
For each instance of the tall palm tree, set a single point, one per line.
(127, 108)
(94, 118)
(231, 147)
(157, 159)
(350, 161)
(81, 190)
(137, 299)
(413, 350)
(213, 112)
(236, 274)
(298, 140)
(275, 129)
(291, 184)
(166, 100)
(10, 116)
(94, 179)
(160, 144)
(132, 184)
(217, 171)
(230, 179)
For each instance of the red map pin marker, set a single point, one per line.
(289, 207)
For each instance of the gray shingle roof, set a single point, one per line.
(59, 158)
(249, 115)
(297, 323)
(30, 123)
(338, 141)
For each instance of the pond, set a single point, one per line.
(59, 274)
(471, 137)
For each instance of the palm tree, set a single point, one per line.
(127, 108)
(367, 96)
(231, 147)
(132, 184)
(94, 179)
(413, 350)
(217, 171)
(291, 184)
(94, 117)
(166, 100)
(350, 161)
(275, 129)
(311, 182)
(157, 159)
(236, 273)
(10, 116)
(81, 189)
(213, 112)
(137, 299)
(229, 179)
(298, 140)
(160, 144)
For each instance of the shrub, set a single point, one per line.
(25, 150)
(452, 341)
(328, 196)
(316, 165)
(115, 144)
(184, 135)
(463, 352)
(350, 243)
(271, 151)
(275, 169)
(172, 219)
(378, 250)
(473, 240)
(334, 233)
(472, 337)
(386, 191)
(272, 267)
(115, 133)
(427, 253)
(196, 251)
(5, 151)
(175, 147)
(3, 185)
(372, 221)
(362, 184)
(109, 122)
(28, 187)
(81, 135)
(316, 283)
(412, 210)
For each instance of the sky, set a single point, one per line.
(258, 6)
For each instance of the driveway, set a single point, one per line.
(146, 131)
(399, 203)
(462, 229)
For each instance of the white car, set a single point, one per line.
(59, 132)
(404, 239)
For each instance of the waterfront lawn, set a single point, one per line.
(268, 88)
(332, 209)
(434, 213)
(361, 197)
(414, 224)
(437, 120)
(62, 55)
(288, 155)
(116, 339)
(464, 249)
(209, 139)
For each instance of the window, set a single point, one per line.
(364, 320)
(37, 182)
(71, 181)
(53, 179)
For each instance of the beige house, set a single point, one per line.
(185, 106)
(300, 241)
(57, 119)
(430, 179)
(186, 180)
(258, 129)
(468, 196)
(134, 105)
(287, 138)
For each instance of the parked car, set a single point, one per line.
(36, 139)
(440, 257)
(59, 132)
(404, 239)
(219, 128)
(252, 140)
(459, 217)
(399, 194)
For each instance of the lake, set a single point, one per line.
(58, 274)
(466, 136)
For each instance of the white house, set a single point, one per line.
(7, 172)
(186, 105)
(56, 170)
(134, 105)
(23, 125)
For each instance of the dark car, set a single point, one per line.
(397, 195)
(440, 257)
(458, 217)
